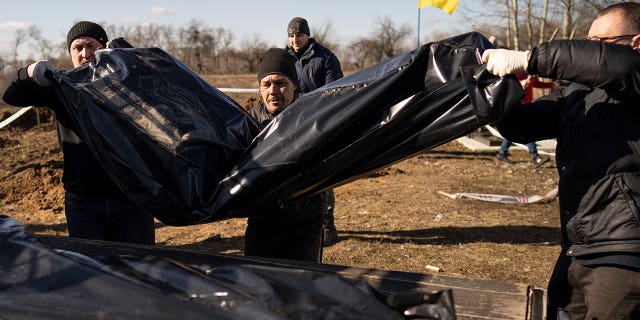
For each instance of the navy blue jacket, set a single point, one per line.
(318, 64)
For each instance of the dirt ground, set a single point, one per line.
(394, 220)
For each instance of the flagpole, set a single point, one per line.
(418, 26)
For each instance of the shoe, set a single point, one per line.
(330, 235)
(538, 161)
(503, 158)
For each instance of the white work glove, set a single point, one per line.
(37, 72)
(502, 62)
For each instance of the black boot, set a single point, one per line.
(330, 234)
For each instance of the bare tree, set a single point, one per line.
(515, 26)
(359, 54)
(529, 26)
(543, 21)
(20, 37)
(389, 39)
(386, 41)
(250, 52)
(324, 35)
(42, 45)
(220, 40)
(567, 20)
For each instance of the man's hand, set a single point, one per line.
(502, 62)
(37, 72)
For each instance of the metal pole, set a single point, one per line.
(418, 27)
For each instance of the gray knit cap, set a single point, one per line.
(298, 25)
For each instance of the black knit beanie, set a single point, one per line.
(277, 60)
(298, 25)
(88, 29)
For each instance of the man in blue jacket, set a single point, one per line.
(595, 121)
(316, 66)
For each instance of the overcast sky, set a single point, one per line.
(268, 19)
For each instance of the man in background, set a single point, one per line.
(316, 66)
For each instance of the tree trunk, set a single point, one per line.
(507, 30)
(516, 43)
(567, 21)
(543, 20)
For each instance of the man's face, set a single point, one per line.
(298, 41)
(277, 92)
(613, 28)
(83, 50)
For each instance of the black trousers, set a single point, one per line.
(284, 240)
(292, 231)
(109, 218)
(593, 292)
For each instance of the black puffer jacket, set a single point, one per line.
(82, 173)
(319, 64)
(596, 121)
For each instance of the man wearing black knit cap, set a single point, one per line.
(83, 39)
(95, 207)
(292, 230)
(316, 66)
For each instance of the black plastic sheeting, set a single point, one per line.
(189, 154)
(37, 282)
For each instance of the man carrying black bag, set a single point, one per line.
(291, 230)
(95, 207)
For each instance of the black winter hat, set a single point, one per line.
(298, 25)
(277, 60)
(88, 29)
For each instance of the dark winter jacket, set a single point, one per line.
(313, 205)
(596, 122)
(318, 64)
(82, 173)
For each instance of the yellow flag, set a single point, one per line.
(447, 6)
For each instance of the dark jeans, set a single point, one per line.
(327, 217)
(506, 144)
(593, 292)
(113, 218)
(288, 231)
(274, 238)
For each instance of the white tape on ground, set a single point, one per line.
(14, 116)
(503, 198)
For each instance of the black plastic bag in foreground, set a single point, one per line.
(41, 283)
(141, 112)
(369, 120)
(163, 134)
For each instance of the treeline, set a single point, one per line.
(214, 50)
(523, 24)
(518, 24)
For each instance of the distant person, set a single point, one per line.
(292, 230)
(316, 66)
(95, 207)
(595, 121)
(528, 83)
